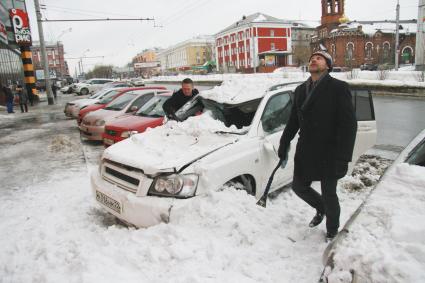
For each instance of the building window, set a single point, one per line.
(350, 51)
(272, 32)
(56, 52)
(386, 52)
(272, 46)
(406, 55)
(368, 50)
(333, 51)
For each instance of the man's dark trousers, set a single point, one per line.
(327, 203)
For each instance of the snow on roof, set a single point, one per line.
(260, 18)
(371, 28)
(240, 90)
(254, 18)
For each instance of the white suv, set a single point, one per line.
(143, 178)
(90, 86)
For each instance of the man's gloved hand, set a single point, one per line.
(282, 152)
(172, 116)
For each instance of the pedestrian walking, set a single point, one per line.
(30, 95)
(54, 89)
(179, 98)
(23, 98)
(323, 114)
(9, 98)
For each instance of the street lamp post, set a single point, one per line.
(59, 53)
(81, 62)
(50, 100)
(397, 37)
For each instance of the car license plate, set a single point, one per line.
(108, 201)
(108, 141)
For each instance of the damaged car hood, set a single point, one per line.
(166, 151)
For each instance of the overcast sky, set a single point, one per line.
(175, 21)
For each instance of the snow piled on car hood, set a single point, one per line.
(172, 145)
(241, 90)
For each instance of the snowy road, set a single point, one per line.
(52, 231)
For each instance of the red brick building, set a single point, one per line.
(352, 44)
(257, 40)
(58, 67)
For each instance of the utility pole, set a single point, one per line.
(397, 47)
(420, 38)
(50, 99)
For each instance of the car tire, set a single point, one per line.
(84, 91)
(244, 182)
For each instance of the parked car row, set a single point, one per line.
(93, 85)
(111, 105)
(142, 179)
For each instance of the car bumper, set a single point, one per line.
(92, 132)
(72, 111)
(110, 140)
(139, 211)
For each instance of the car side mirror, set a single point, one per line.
(134, 108)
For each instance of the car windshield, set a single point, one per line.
(153, 108)
(121, 101)
(98, 94)
(239, 115)
(108, 97)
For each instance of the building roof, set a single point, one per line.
(254, 18)
(370, 28)
(200, 39)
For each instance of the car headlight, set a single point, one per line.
(179, 186)
(127, 134)
(99, 122)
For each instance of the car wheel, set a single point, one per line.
(84, 91)
(244, 182)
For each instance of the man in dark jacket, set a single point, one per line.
(323, 113)
(9, 98)
(179, 98)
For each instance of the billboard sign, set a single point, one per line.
(147, 65)
(21, 26)
(3, 33)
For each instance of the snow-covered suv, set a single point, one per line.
(141, 180)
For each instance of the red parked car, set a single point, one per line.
(149, 115)
(111, 96)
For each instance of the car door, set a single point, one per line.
(273, 120)
(366, 123)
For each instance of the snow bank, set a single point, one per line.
(386, 243)
(54, 232)
(393, 78)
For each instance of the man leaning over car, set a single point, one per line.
(179, 98)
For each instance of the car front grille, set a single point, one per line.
(125, 177)
(122, 176)
(110, 132)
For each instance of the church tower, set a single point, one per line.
(332, 12)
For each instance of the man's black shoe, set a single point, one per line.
(317, 219)
(330, 236)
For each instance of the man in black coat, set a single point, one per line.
(323, 113)
(179, 98)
